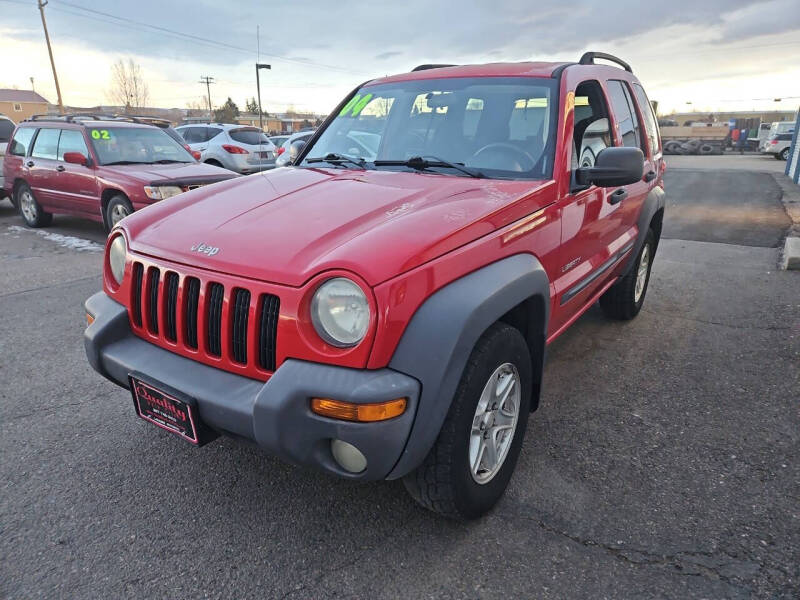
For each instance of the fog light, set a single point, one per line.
(348, 456)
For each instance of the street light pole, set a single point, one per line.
(258, 87)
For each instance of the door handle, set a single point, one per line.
(60, 168)
(618, 196)
(649, 176)
(30, 163)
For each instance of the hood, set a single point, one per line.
(170, 173)
(287, 225)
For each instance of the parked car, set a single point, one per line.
(278, 141)
(779, 146)
(6, 129)
(285, 151)
(238, 148)
(775, 129)
(383, 311)
(99, 169)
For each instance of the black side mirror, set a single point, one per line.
(613, 167)
(294, 150)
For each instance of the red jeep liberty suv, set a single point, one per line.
(381, 308)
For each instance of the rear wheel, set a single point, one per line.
(30, 210)
(784, 155)
(117, 209)
(472, 460)
(625, 298)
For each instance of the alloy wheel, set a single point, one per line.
(641, 273)
(494, 423)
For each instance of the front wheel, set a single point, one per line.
(30, 210)
(117, 209)
(472, 460)
(625, 298)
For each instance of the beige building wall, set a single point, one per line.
(19, 111)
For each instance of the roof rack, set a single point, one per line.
(588, 59)
(426, 67)
(78, 117)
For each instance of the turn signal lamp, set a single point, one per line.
(363, 413)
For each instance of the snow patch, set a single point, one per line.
(65, 241)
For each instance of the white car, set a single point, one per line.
(779, 146)
(776, 128)
(6, 129)
(238, 148)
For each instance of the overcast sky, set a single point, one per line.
(716, 54)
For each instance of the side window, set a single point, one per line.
(192, 135)
(22, 141)
(650, 123)
(622, 104)
(211, 133)
(591, 133)
(71, 141)
(46, 144)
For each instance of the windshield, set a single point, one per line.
(249, 136)
(135, 145)
(499, 127)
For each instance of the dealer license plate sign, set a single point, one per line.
(165, 410)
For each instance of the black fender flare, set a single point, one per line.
(439, 338)
(654, 202)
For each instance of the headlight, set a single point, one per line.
(340, 312)
(161, 192)
(116, 258)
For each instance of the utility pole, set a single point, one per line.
(208, 81)
(258, 87)
(42, 4)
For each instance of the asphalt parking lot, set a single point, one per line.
(664, 460)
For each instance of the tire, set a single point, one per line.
(213, 162)
(118, 208)
(444, 482)
(784, 155)
(623, 300)
(706, 149)
(29, 208)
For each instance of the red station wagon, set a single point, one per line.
(382, 308)
(102, 170)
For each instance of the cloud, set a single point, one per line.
(387, 55)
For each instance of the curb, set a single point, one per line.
(790, 196)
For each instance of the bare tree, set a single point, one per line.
(128, 87)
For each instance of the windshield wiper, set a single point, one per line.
(424, 162)
(125, 162)
(166, 161)
(336, 159)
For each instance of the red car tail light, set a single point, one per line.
(280, 151)
(774, 142)
(196, 154)
(234, 149)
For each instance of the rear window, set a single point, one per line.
(6, 129)
(622, 105)
(249, 136)
(650, 125)
(22, 141)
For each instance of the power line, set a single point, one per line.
(197, 38)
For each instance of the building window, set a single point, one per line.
(17, 107)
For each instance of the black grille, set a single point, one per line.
(241, 308)
(136, 301)
(153, 275)
(214, 318)
(268, 331)
(172, 307)
(192, 298)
